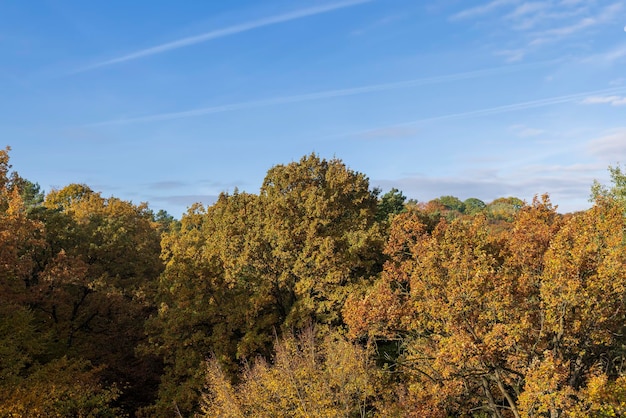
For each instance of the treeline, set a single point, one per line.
(316, 297)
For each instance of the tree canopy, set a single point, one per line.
(314, 297)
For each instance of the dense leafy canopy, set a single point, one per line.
(315, 297)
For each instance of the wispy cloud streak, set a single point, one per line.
(326, 94)
(481, 10)
(612, 100)
(606, 15)
(570, 98)
(228, 31)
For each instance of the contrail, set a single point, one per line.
(325, 94)
(220, 33)
(493, 110)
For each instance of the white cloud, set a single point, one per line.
(573, 2)
(481, 10)
(328, 94)
(544, 22)
(610, 147)
(605, 15)
(513, 107)
(612, 100)
(508, 108)
(576, 27)
(220, 33)
(532, 20)
(528, 8)
(607, 57)
(512, 55)
(524, 131)
(615, 54)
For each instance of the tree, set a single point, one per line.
(250, 267)
(391, 203)
(203, 300)
(448, 207)
(21, 343)
(67, 196)
(463, 300)
(452, 203)
(165, 221)
(617, 191)
(319, 226)
(61, 388)
(19, 236)
(30, 192)
(474, 206)
(305, 379)
(34, 379)
(582, 292)
(504, 208)
(525, 320)
(93, 282)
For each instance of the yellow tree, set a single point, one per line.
(61, 388)
(318, 237)
(331, 378)
(248, 267)
(463, 298)
(203, 300)
(583, 290)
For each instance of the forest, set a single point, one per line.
(319, 296)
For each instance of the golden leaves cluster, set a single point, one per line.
(512, 321)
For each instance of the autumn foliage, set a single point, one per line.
(316, 297)
(514, 323)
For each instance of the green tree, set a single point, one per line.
(165, 221)
(452, 203)
(30, 192)
(617, 191)
(389, 204)
(504, 208)
(474, 206)
(21, 342)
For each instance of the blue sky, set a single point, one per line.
(173, 102)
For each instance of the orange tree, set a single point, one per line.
(35, 378)
(93, 282)
(514, 321)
